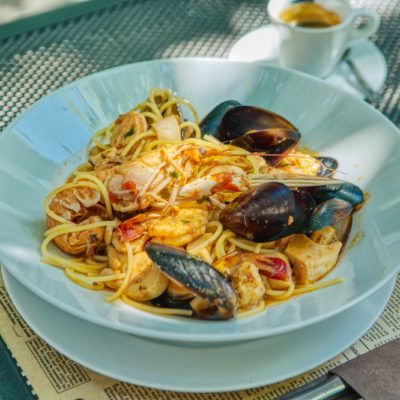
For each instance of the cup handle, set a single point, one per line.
(370, 27)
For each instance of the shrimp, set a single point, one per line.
(175, 230)
(133, 184)
(125, 126)
(82, 206)
(299, 163)
(180, 229)
(248, 272)
(245, 279)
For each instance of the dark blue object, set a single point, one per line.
(12, 384)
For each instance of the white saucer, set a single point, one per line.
(261, 45)
(200, 368)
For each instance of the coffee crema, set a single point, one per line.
(310, 15)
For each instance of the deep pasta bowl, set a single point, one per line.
(41, 148)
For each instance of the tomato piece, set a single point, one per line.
(129, 185)
(275, 268)
(113, 197)
(129, 230)
(226, 184)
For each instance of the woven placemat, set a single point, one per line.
(34, 64)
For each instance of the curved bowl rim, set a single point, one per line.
(197, 337)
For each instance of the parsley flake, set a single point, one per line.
(175, 175)
(130, 132)
(203, 199)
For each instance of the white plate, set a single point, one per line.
(39, 149)
(260, 45)
(202, 368)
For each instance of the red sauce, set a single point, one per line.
(129, 185)
(226, 184)
(113, 197)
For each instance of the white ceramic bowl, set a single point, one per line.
(47, 141)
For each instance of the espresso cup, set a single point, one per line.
(317, 50)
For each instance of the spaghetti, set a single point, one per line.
(153, 176)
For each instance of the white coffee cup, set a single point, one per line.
(317, 50)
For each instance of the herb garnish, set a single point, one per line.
(130, 132)
(203, 199)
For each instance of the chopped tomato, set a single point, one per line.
(129, 185)
(226, 184)
(274, 268)
(129, 230)
(113, 197)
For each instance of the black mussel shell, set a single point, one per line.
(211, 122)
(272, 141)
(328, 166)
(166, 301)
(268, 212)
(305, 205)
(239, 120)
(328, 213)
(344, 191)
(197, 276)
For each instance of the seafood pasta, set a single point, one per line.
(213, 219)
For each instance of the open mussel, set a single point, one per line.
(252, 128)
(328, 166)
(344, 191)
(240, 120)
(215, 296)
(211, 122)
(327, 213)
(272, 211)
(269, 212)
(275, 143)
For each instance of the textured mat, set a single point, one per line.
(35, 63)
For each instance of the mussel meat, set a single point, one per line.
(216, 297)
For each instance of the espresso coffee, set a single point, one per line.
(310, 15)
